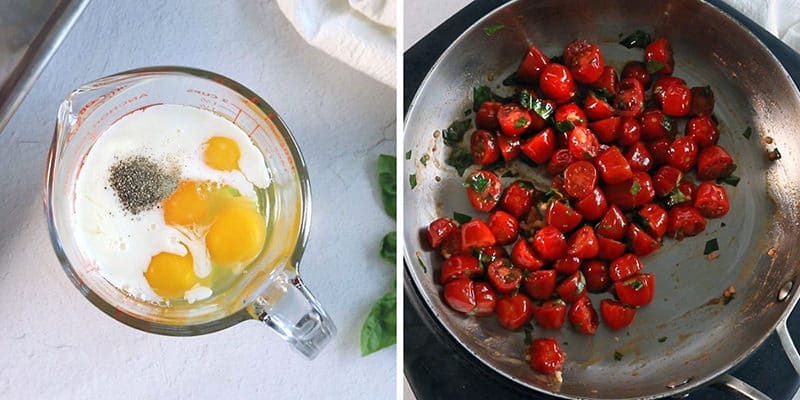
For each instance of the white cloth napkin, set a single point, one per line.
(360, 33)
(779, 17)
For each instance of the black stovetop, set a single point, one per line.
(439, 368)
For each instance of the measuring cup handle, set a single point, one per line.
(292, 311)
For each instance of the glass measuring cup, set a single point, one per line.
(270, 289)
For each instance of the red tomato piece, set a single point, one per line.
(460, 295)
(629, 101)
(654, 219)
(616, 315)
(545, 356)
(659, 149)
(637, 70)
(451, 245)
(610, 248)
(485, 299)
(702, 101)
(632, 193)
(513, 119)
(662, 83)
(582, 143)
(703, 130)
(504, 227)
(712, 200)
(556, 83)
(518, 198)
(541, 146)
(593, 206)
(483, 147)
(509, 147)
(486, 117)
(580, 178)
(683, 194)
(641, 242)
(476, 234)
(583, 243)
(459, 266)
(483, 190)
(624, 267)
(532, 65)
(439, 229)
(639, 157)
(630, 131)
(583, 317)
(656, 125)
(540, 284)
(559, 162)
(676, 100)
(570, 112)
(597, 108)
(550, 314)
(550, 243)
(572, 288)
(523, 256)
(562, 216)
(606, 130)
(613, 225)
(666, 180)
(607, 83)
(685, 221)
(584, 61)
(514, 311)
(660, 51)
(636, 291)
(596, 274)
(613, 166)
(714, 162)
(682, 153)
(503, 276)
(489, 253)
(567, 265)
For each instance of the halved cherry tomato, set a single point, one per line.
(476, 234)
(550, 243)
(503, 276)
(711, 200)
(504, 227)
(636, 291)
(485, 299)
(629, 101)
(596, 274)
(567, 265)
(483, 147)
(607, 83)
(582, 143)
(562, 216)
(580, 178)
(483, 190)
(662, 83)
(570, 112)
(439, 229)
(630, 131)
(659, 150)
(666, 180)
(613, 166)
(702, 100)
(550, 314)
(459, 266)
(682, 153)
(703, 130)
(518, 198)
(488, 254)
(686, 188)
(606, 130)
(639, 157)
(613, 225)
(610, 248)
(676, 100)
(545, 356)
(509, 147)
(532, 65)
(615, 314)
(637, 70)
(541, 146)
(684, 221)
(623, 267)
(451, 245)
(583, 317)
(641, 242)
(572, 288)
(513, 119)
(660, 51)
(540, 284)
(556, 83)
(597, 108)
(656, 125)
(583, 243)
(459, 294)
(523, 256)
(653, 219)
(714, 162)
(584, 60)
(632, 193)
(514, 311)
(593, 206)
(559, 162)
(486, 117)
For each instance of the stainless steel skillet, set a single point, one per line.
(703, 340)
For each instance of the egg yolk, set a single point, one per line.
(171, 275)
(221, 153)
(237, 235)
(188, 205)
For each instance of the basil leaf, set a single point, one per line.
(602, 93)
(422, 264)
(455, 132)
(521, 122)
(526, 99)
(564, 126)
(491, 30)
(480, 95)
(542, 108)
(408, 155)
(711, 246)
(467, 112)
(461, 218)
(478, 183)
(636, 285)
(662, 339)
(412, 180)
(387, 180)
(618, 356)
(636, 187)
(676, 197)
(667, 123)
(424, 160)
(654, 66)
(459, 159)
(389, 248)
(729, 179)
(512, 80)
(638, 39)
(747, 132)
(528, 336)
(380, 327)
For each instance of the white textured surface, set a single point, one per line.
(55, 345)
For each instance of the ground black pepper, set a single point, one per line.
(140, 183)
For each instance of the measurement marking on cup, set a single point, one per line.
(236, 118)
(254, 130)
